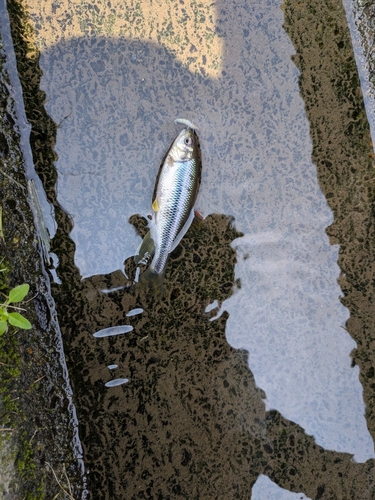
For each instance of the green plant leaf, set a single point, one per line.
(3, 327)
(18, 293)
(3, 314)
(17, 319)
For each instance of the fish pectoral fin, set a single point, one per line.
(198, 217)
(183, 231)
(146, 248)
(155, 205)
(170, 161)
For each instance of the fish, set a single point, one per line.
(175, 193)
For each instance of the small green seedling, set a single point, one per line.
(17, 294)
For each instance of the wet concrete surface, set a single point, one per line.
(36, 406)
(274, 386)
(361, 18)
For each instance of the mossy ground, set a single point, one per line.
(16, 452)
(16, 447)
(26, 417)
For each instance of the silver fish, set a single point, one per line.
(175, 193)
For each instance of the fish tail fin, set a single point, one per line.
(153, 280)
(145, 250)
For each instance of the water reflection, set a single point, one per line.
(189, 420)
(192, 412)
(257, 167)
(265, 488)
(287, 314)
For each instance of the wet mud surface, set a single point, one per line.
(193, 419)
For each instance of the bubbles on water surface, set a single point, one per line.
(113, 330)
(117, 381)
(134, 312)
(111, 290)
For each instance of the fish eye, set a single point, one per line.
(188, 141)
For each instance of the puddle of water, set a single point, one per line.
(256, 146)
(195, 405)
(288, 316)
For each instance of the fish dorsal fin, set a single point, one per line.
(155, 205)
(183, 231)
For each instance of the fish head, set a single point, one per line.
(185, 146)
